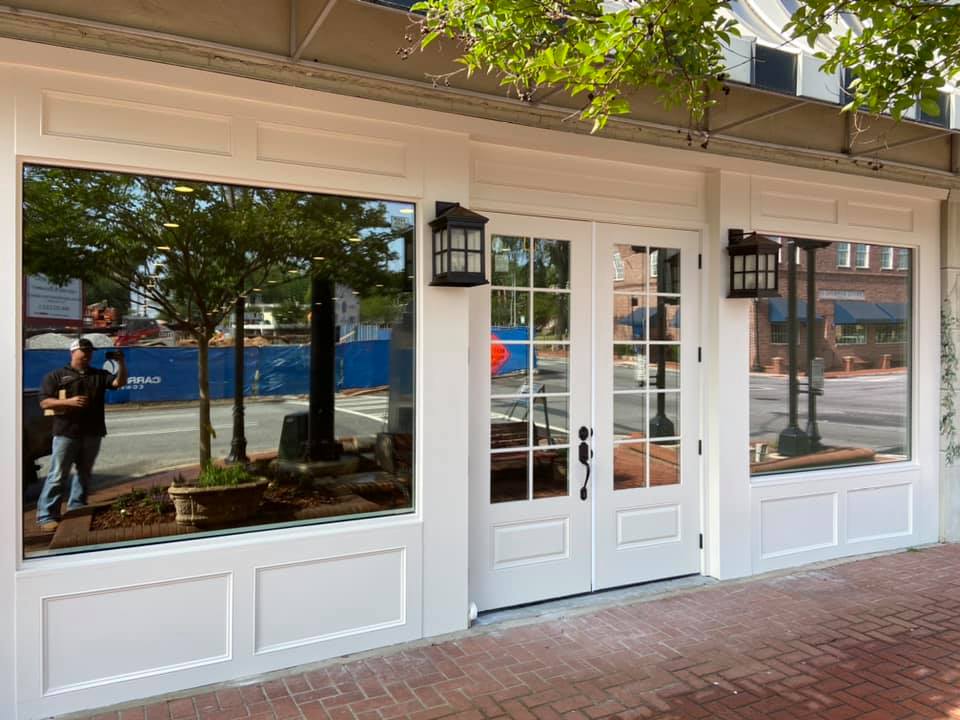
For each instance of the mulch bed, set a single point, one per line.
(153, 506)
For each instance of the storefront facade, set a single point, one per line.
(497, 518)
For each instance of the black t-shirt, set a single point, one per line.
(79, 422)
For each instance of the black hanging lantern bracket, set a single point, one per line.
(754, 265)
(459, 247)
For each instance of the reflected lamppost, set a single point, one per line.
(793, 440)
(668, 275)
(811, 247)
(238, 443)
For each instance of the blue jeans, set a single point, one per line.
(67, 451)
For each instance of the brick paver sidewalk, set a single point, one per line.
(875, 639)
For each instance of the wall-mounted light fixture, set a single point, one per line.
(753, 265)
(459, 247)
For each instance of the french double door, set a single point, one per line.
(591, 472)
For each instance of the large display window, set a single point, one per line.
(830, 382)
(204, 358)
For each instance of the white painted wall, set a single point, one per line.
(246, 594)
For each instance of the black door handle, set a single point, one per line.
(584, 454)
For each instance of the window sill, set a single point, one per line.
(832, 474)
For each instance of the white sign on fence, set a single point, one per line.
(47, 300)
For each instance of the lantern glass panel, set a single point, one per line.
(738, 263)
(458, 263)
(771, 280)
(443, 239)
(750, 262)
(473, 239)
(443, 263)
(762, 262)
(473, 262)
(436, 241)
(458, 238)
(750, 281)
(738, 281)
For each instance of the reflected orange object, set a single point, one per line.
(498, 354)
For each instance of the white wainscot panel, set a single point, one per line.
(798, 207)
(96, 638)
(331, 150)
(526, 543)
(798, 524)
(884, 217)
(317, 600)
(879, 512)
(648, 526)
(122, 121)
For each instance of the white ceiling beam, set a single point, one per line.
(314, 29)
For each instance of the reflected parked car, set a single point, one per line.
(37, 435)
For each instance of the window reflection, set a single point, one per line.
(156, 283)
(859, 362)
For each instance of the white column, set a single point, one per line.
(444, 394)
(726, 364)
(9, 383)
(950, 285)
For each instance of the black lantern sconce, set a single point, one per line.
(754, 265)
(459, 247)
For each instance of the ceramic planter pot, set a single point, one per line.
(215, 506)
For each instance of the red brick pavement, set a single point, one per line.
(877, 639)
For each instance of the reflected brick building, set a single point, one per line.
(861, 306)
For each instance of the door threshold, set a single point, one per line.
(594, 600)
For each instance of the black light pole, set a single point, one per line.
(793, 441)
(757, 365)
(660, 424)
(321, 442)
(811, 247)
(238, 444)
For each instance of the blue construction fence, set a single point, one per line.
(161, 374)
(170, 374)
(516, 354)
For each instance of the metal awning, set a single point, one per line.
(777, 310)
(898, 311)
(859, 312)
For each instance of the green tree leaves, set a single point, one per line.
(901, 51)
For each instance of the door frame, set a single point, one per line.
(479, 381)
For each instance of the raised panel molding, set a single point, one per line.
(98, 638)
(639, 527)
(798, 524)
(883, 217)
(530, 542)
(512, 179)
(134, 123)
(876, 513)
(798, 207)
(331, 150)
(319, 600)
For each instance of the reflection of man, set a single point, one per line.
(75, 395)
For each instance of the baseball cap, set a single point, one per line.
(81, 344)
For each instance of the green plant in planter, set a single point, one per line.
(223, 476)
(220, 496)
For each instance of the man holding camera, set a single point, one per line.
(75, 395)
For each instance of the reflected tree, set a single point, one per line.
(190, 250)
